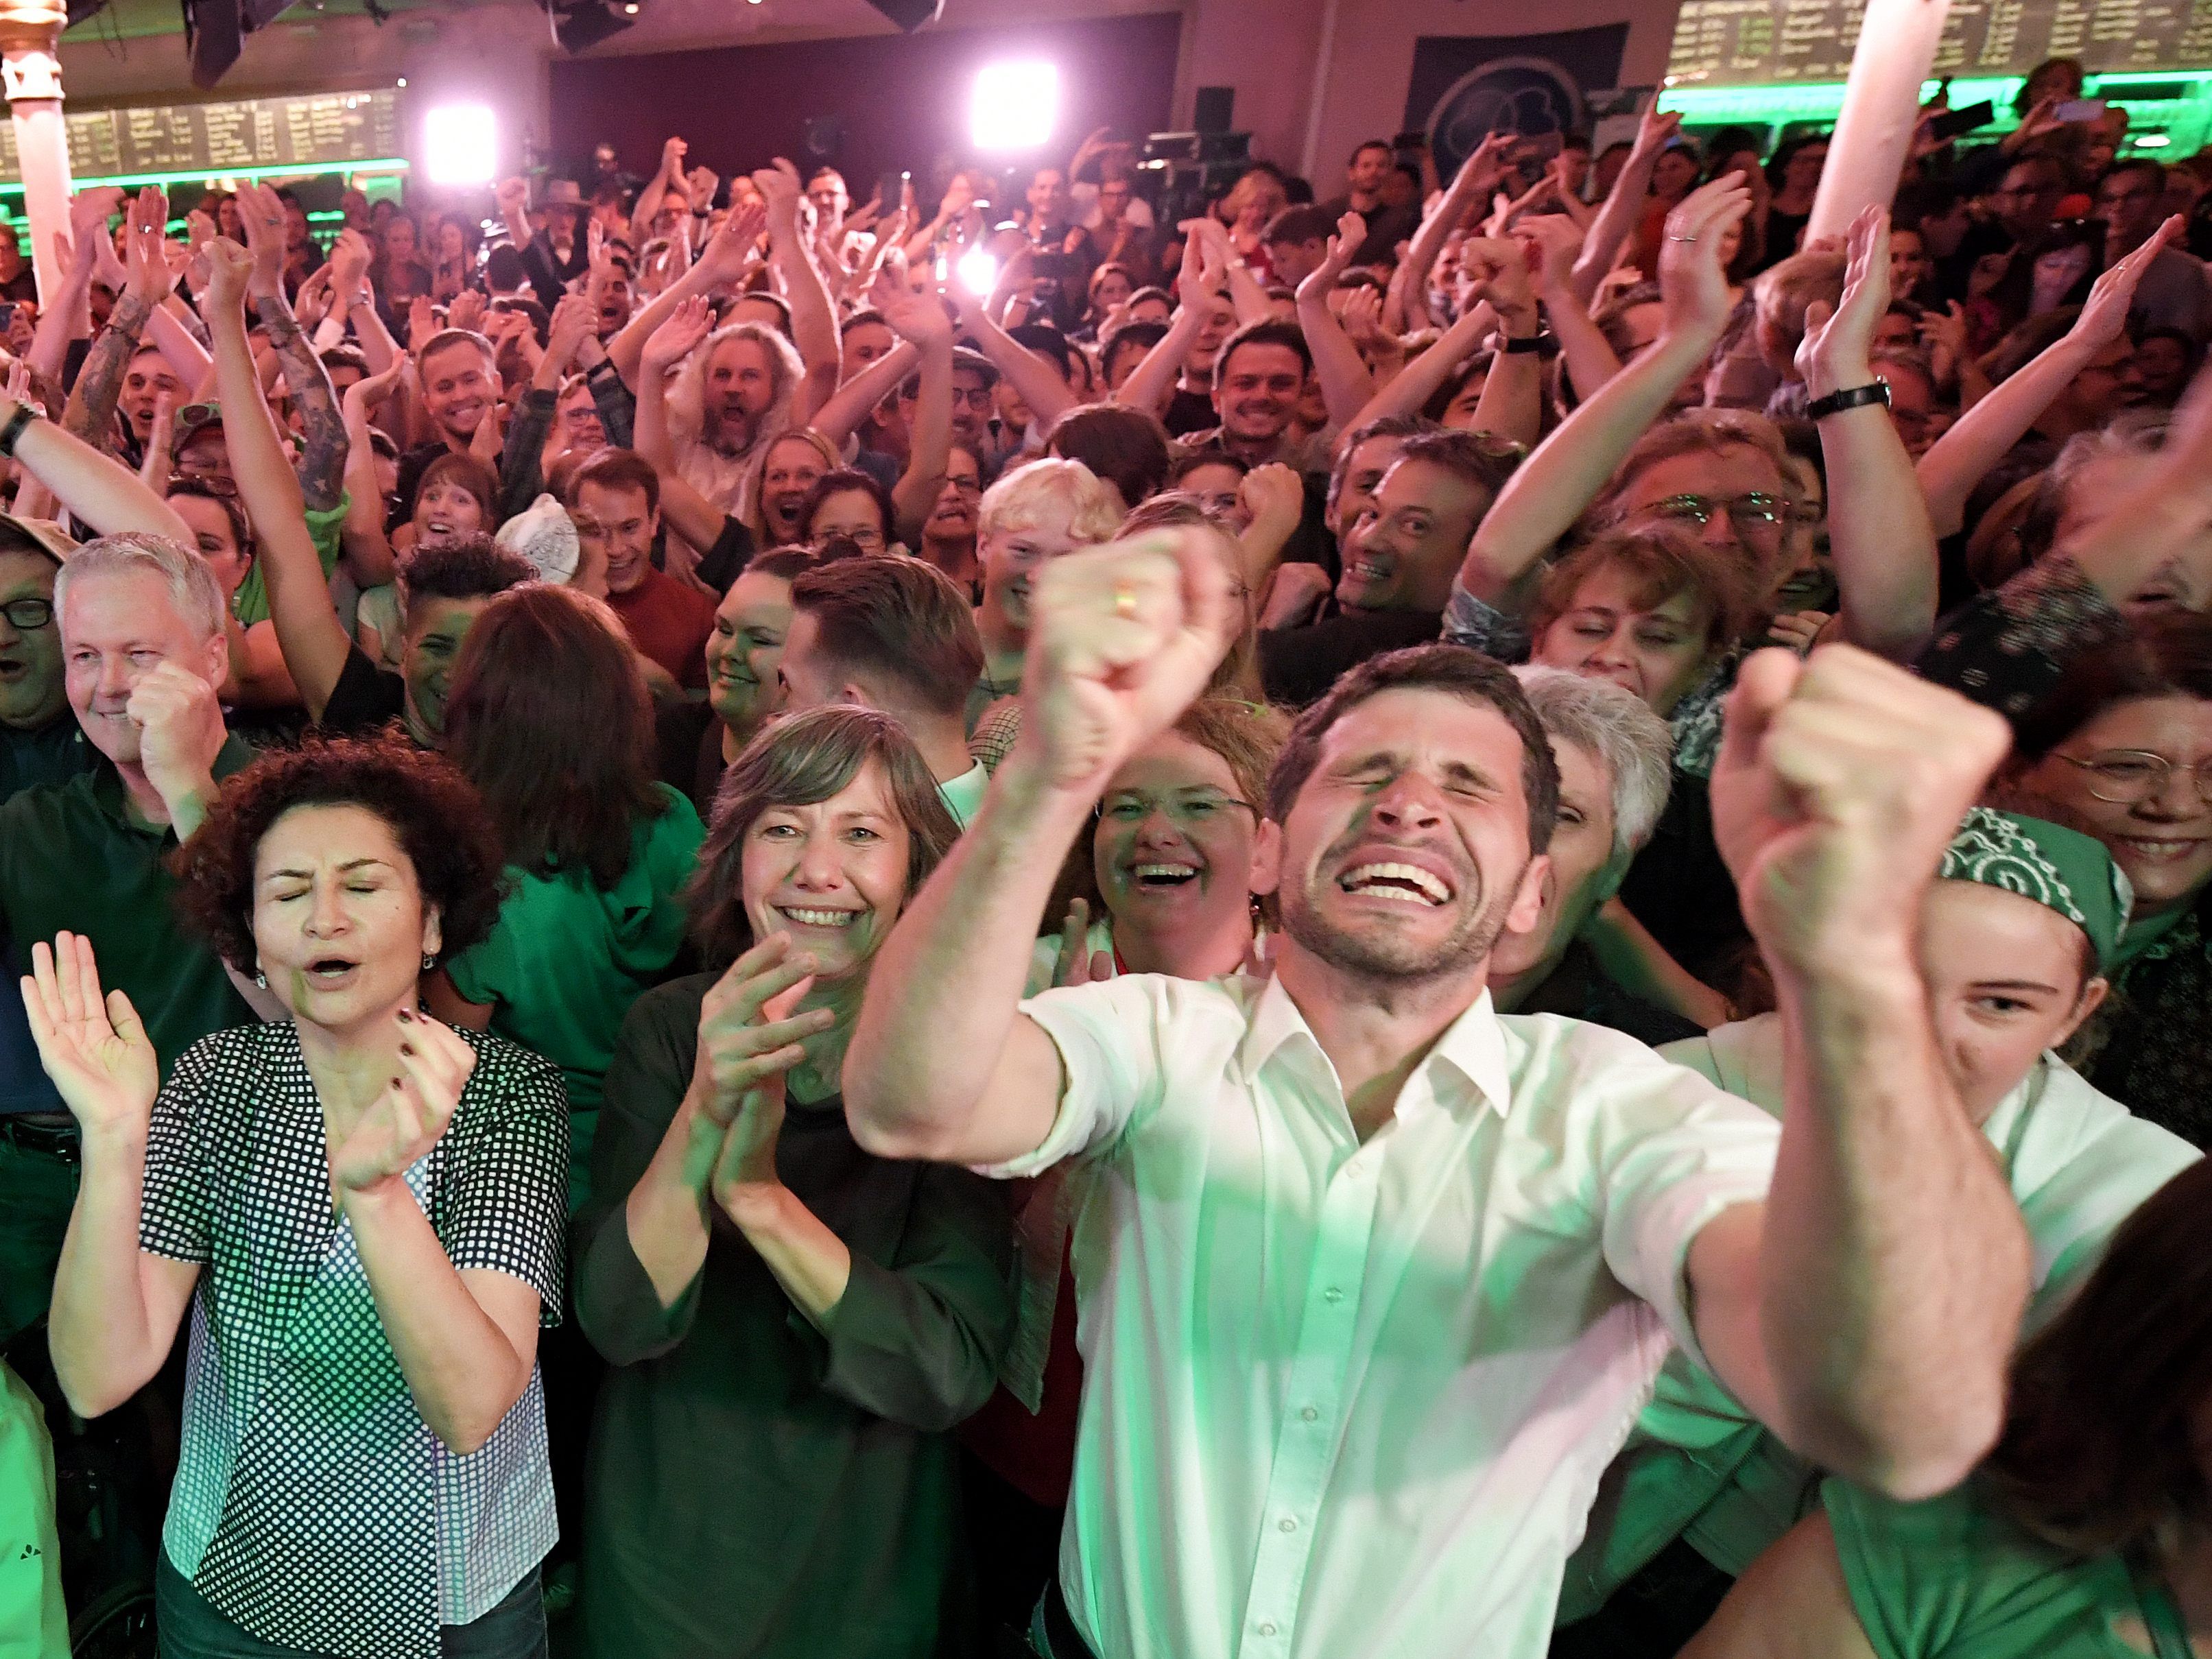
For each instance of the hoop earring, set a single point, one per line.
(430, 963)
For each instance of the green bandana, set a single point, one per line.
(2060, 869)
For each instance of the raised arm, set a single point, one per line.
(95, 487)
(314, 642)
(725, 263)
(670, 175)
(1624, 203)
(363, 534)
(1345, 383)
(1034, 382)
(1883, 549)
(116, 1309)
(1549, 490)
(1868, 1313)
(942, 1064)
(1409, 283)
(1982, 436)
(91, 411)
(65, 319)
(813, 319)
(921, 324)
(1197, 286)
(177, 345)
(690, 514)
(1589, 360)
(322, 426)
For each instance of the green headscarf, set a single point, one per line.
(2060, 869)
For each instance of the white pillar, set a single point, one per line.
(31, 75)
(1882, 106)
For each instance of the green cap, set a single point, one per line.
(2060, 869)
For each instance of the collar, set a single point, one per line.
(1474, 1045)
(964, 795)
(114, 801)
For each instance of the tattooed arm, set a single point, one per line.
(322, 425)
(90, 414)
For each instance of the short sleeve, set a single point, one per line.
(479, 972)
(1673, 1151)
(1950, 1577)
(1483, 627)
(504, 1191)
(1109, 1039)
(176, 1216)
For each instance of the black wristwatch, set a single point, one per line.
(23, 417)
(1875, 391)
(1509, 342)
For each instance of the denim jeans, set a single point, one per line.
(190, 1629)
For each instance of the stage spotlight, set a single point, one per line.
(461, 144)
(1016, 105)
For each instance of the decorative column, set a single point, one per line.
(31, 74)
(1895, 52)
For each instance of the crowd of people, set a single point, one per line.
(1427, 917)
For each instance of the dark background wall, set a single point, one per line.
(902, 100)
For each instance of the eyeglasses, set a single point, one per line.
(1745, 512)
(26, 615)
(1186, 810)
(2127, 776)
(202, 484)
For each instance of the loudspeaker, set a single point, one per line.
(1212, 113)
(909, 14)
(579, 25)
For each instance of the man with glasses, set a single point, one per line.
(948, 534)
(2172, 291)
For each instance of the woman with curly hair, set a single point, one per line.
(362, 1209)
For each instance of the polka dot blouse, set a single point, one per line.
(313, 1506)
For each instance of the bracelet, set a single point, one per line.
(1875, 391)
(1513, 343)
(23, 417)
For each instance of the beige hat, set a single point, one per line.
(48, 537)
(562, 192)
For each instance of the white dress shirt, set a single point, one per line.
(1347, 1401)
(1700, 1467)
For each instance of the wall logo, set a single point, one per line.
(1535, 97)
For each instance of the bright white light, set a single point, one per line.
(462, 143)
(1016, 105)
(2153, 141)
(979, 270)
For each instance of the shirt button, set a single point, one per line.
(1310, 1415)
(1266, 1630)
(1331, 1294)
(1288, 1524)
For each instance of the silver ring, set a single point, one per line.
(1674, 238)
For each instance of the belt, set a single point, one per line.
(55, 1140)
(1052, 1631)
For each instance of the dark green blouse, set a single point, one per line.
(756, 1487)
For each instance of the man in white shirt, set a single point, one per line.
(1373, 1280)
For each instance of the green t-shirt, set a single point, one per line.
(71, 857)
(567, 958)
(52, 753)
(1953, 1579)
(33, 1624)
(250, 605)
